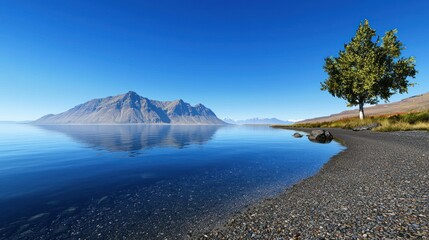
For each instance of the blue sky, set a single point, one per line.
(240, 58)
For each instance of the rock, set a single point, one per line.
(297, 135)
(367, 127)
(320, 136)
(70, 209)
(102, 199)
(38, 216)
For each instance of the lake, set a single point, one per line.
(142, 181)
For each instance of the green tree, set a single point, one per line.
(368, 71)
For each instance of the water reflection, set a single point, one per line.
(136, 137)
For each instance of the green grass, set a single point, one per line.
(394, 122)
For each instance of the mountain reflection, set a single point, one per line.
(136, 137)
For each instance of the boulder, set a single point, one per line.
(320, 136)
(297, 135)
(367, 127)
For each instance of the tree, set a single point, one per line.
(368, 71)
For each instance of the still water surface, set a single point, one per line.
(139, 181)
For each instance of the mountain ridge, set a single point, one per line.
(131, 108)
(418, 102)
(256, 120)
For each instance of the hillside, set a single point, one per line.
(415, 103)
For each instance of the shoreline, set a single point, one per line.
(378, 187)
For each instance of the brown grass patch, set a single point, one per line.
(389, 122)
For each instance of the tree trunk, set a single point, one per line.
(361, 113)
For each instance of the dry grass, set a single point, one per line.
(387, 126)
(395, 122)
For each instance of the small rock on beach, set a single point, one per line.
(367, 127)
(297, 135)
(320, 136)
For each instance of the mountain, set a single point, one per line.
(414, 103)
(229, 120)
(133, 109)
(14, 122)
(257, 121)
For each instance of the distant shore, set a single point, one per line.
(377, 188)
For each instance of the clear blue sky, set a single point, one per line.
(240, 58)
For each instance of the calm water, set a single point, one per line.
(141, 182)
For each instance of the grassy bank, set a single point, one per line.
(396, 122)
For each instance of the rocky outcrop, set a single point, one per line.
(320, 136)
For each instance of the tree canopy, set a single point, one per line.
(368, 69)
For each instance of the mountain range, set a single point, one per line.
(257, 121)
(130, 108)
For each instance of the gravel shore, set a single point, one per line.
(377, 188)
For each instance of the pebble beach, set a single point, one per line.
(378, 188)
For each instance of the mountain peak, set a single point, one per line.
(131, 93)
(131, 96)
